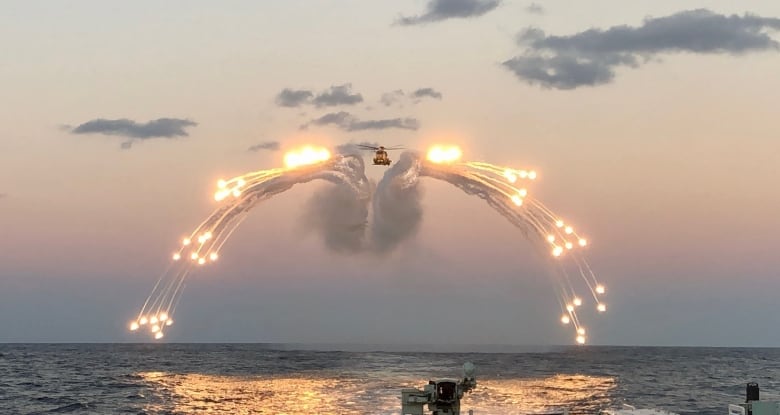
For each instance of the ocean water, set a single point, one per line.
(283, 379)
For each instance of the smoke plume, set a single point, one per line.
(397, 204)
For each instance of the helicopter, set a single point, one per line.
(380, 157)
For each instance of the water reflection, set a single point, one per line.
(581, 394)
(339, 394)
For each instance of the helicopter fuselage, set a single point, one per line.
(381, 159)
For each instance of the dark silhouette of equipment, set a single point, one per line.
(752, 392)
(754, 406)
(442, 396)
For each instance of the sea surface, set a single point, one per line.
(290, 379)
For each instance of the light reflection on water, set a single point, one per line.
(217, 394)
(218, 379)
(581, 394)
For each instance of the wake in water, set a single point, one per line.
(340, 214)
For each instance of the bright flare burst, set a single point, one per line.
(503, 188)
(444, 154)
(306, 156)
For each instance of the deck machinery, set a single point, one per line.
(442, 396)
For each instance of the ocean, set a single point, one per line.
(297, 379)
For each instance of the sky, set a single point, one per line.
(652, 124)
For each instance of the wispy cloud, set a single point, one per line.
(535, 8)
(438, 10)
(392, 98)
(159, 128)
(590, 58)
(341, 119)
(334, 96)
(268, 146)
(399, 123)
(348, 122)
(292, 98)
(3, 195)
(337, 95)
(398, 97)
(426, 92)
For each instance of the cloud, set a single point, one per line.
(159, 128)
(337, 95)
(3, 195)
(331, 97)
(341, 119)
(535, 8)
(426, 92)
(438, 10)
(589, 58)
(292, 98)
(392, 98)
(348, 122)
(400, 123)
(268, 145)
(398, 97)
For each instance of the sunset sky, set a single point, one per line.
(653, 126)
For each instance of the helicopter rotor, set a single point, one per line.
(377, 148)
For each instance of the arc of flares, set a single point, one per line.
(242, 193)
(504, 189)
(499, 187)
